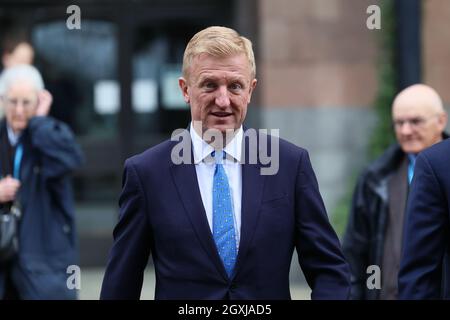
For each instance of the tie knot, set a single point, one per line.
(218, 156)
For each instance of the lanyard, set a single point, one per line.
(17, 161)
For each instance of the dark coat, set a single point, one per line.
(364, 238)
(47, 234)
(161, 212)
(363, 243)
(425, 269)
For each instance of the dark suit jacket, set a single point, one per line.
(426, 235)
(161, 212)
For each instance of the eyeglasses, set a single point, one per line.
(415, 122)
(13, 103)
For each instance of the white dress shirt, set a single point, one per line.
(205, 175)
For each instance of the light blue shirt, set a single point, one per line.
(12, 137)
(411, 165)
(205, 175)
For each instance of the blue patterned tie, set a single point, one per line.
(223, 222)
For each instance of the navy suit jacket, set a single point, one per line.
(162, 214)
(424, 269)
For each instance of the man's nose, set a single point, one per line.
(19, 108)
(222, 98)
(406, 128)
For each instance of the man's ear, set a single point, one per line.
(182, 82)
(443, 118)
(251, 88)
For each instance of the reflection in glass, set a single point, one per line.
(79, 59)
(80, 70)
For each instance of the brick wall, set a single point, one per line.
(316, 53)
(436, 46)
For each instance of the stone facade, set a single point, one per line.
(436, 46)
(317, 72)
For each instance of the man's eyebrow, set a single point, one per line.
(208, 77)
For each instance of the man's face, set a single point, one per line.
(218, 91)
(20, 103)
(417, 125)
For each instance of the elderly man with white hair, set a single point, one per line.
(37, 156)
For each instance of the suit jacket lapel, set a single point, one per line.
(252, 190)
(185, 179)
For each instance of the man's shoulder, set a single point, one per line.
(291, 148)
(438, 152)
(438, 155)
(386, 163)
(154, 156)
(285, 147)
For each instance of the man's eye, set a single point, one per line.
(235, 86)
(416, 121)
(209, 85)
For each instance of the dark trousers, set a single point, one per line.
(11, 292)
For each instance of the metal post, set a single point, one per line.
(408, 13)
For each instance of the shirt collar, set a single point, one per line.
(412, 158)
(202, 149)
(12, 137)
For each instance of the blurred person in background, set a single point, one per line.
(17, 49)
(38, 154)
(375, 227)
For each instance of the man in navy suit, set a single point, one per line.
(217, 225)
(424, 270)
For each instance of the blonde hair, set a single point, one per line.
(218, 42)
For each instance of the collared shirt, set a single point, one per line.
(205, 175)
(411, 165)
(12, 137)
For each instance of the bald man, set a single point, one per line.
(375, 228)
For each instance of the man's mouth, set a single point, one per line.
(221, 114)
